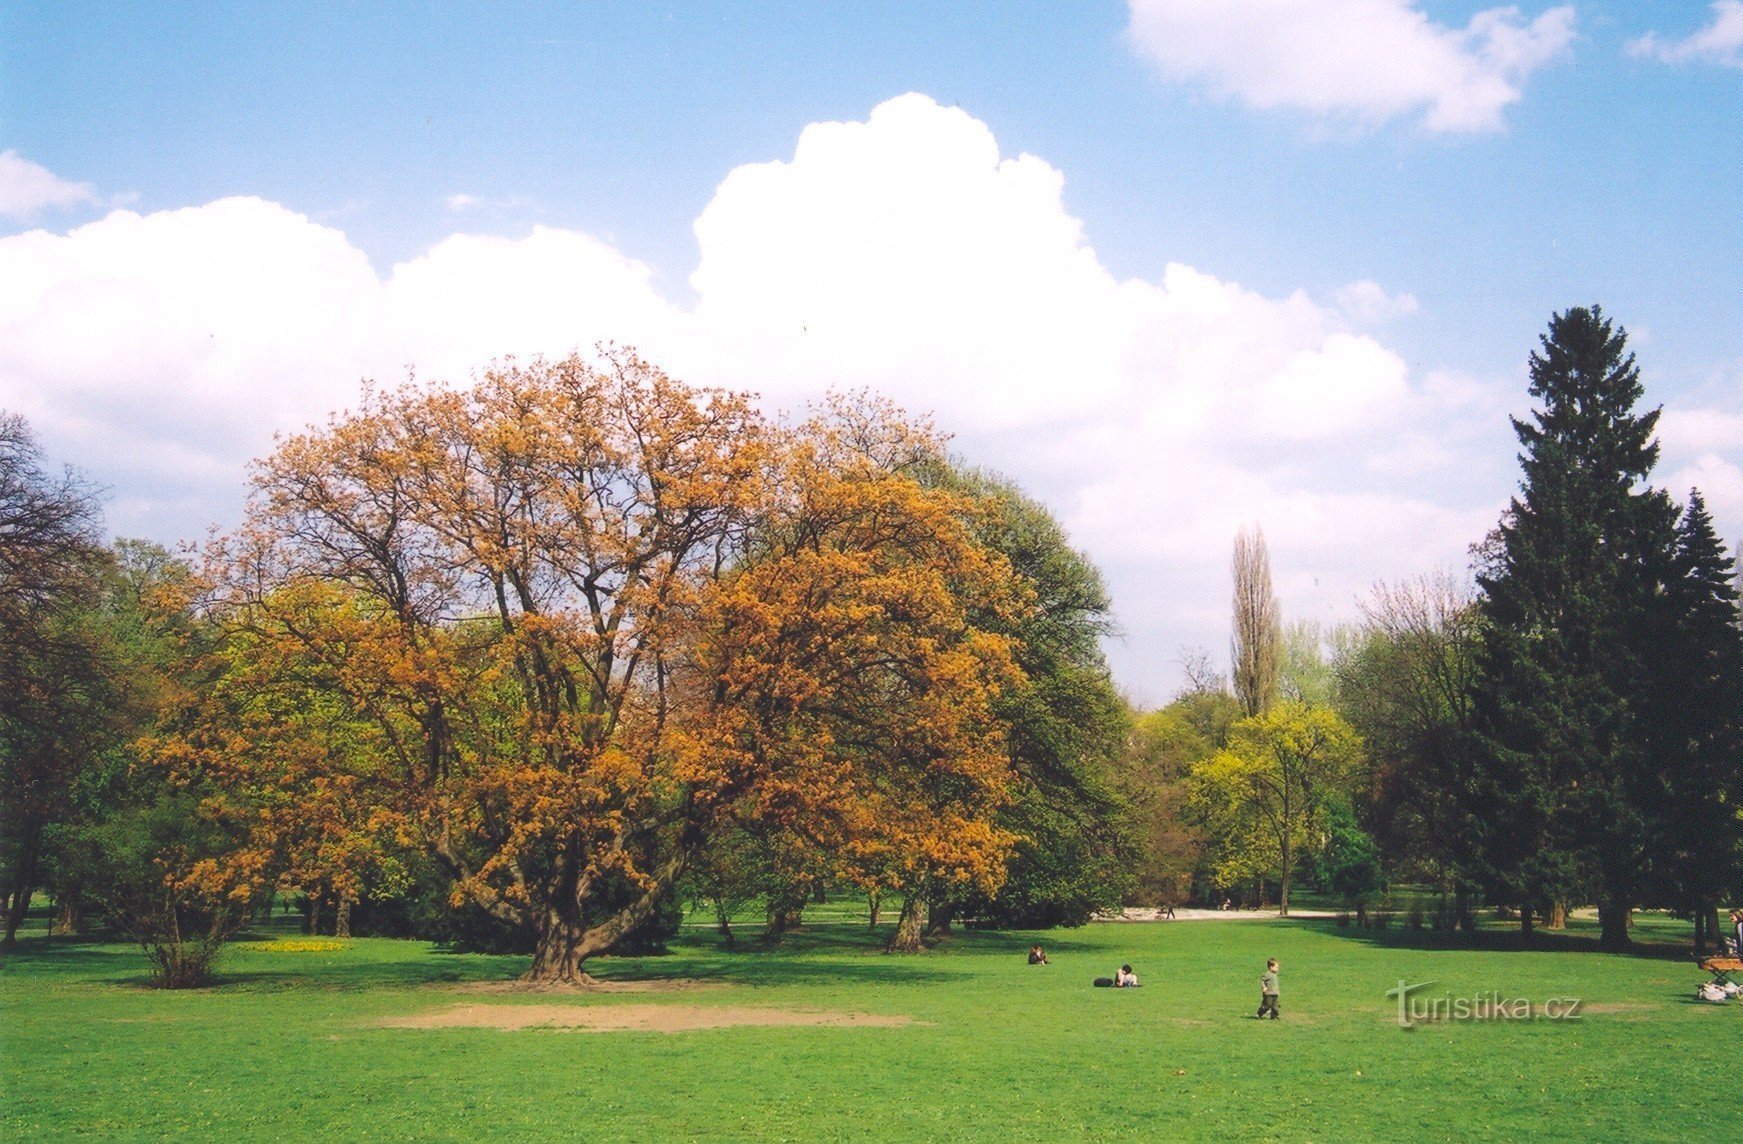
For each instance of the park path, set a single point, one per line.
(1183, 914)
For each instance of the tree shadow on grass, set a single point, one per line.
(835, 938)
(1578, 939)
(768, 971)
(825, 953)
(819, 955)
(124, 965)
(344, 977)
(82, 952)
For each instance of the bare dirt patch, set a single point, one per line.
(630, 1018)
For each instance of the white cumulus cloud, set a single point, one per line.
(1370, 61)
(906, 253)
(1720, 42)
(27, 189)
(1367, 301)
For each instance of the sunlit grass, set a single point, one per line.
(288, 1043)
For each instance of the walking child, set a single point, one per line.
(1268, 991)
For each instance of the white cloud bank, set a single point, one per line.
(904, 253)
(1370, 61)
(1721, 42)
(27, 189)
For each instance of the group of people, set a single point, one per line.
(1269, 990)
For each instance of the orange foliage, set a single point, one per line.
(560, 627)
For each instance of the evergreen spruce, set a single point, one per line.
(1572, 614)
(1697, 850)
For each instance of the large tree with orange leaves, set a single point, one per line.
(579, 616)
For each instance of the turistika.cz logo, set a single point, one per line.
(1416, 1007)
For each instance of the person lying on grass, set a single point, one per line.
(1125, 978)
(1037, 955)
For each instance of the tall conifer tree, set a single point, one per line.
(1697, 848)
(1571, 607)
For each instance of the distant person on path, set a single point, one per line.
(1268, 992)
(1125, 978)
(1037, 955)
(1227, 905)
(1168, 910)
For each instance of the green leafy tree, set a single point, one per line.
(1570, 611)
(55, 680)
(148, 854)
(1308, 653)
(1264, 794)
(136, 632)
(1076, 846)
(1161, 751)
(1349, 862)
(1404, 683)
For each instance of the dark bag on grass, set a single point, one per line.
(1104, 983)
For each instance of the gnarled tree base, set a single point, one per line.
(911, 927)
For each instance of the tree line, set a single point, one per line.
(541, 657)
(530, 665)
(1565, 727)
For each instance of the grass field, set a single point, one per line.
(293, 1044)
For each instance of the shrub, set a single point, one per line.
(142, 861)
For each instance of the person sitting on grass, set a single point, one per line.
(1125, 978)
(1037, 955)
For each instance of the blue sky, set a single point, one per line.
(1357, 212)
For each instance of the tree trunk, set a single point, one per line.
(564, 945)
(775, 923)
(723, 921)
(1525, 919)
(941, 917)
(16, 909)
(342, 917)
(907, 938)
(557, 958)
(1613, 926)
(1283, 888)
(872, 901)
(1715, 935)
(1557, 916)
(313, 921)
(68, 915)
(23, 886)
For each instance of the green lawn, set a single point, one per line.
(289, 1046)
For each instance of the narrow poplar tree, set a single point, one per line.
(1257, 644)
